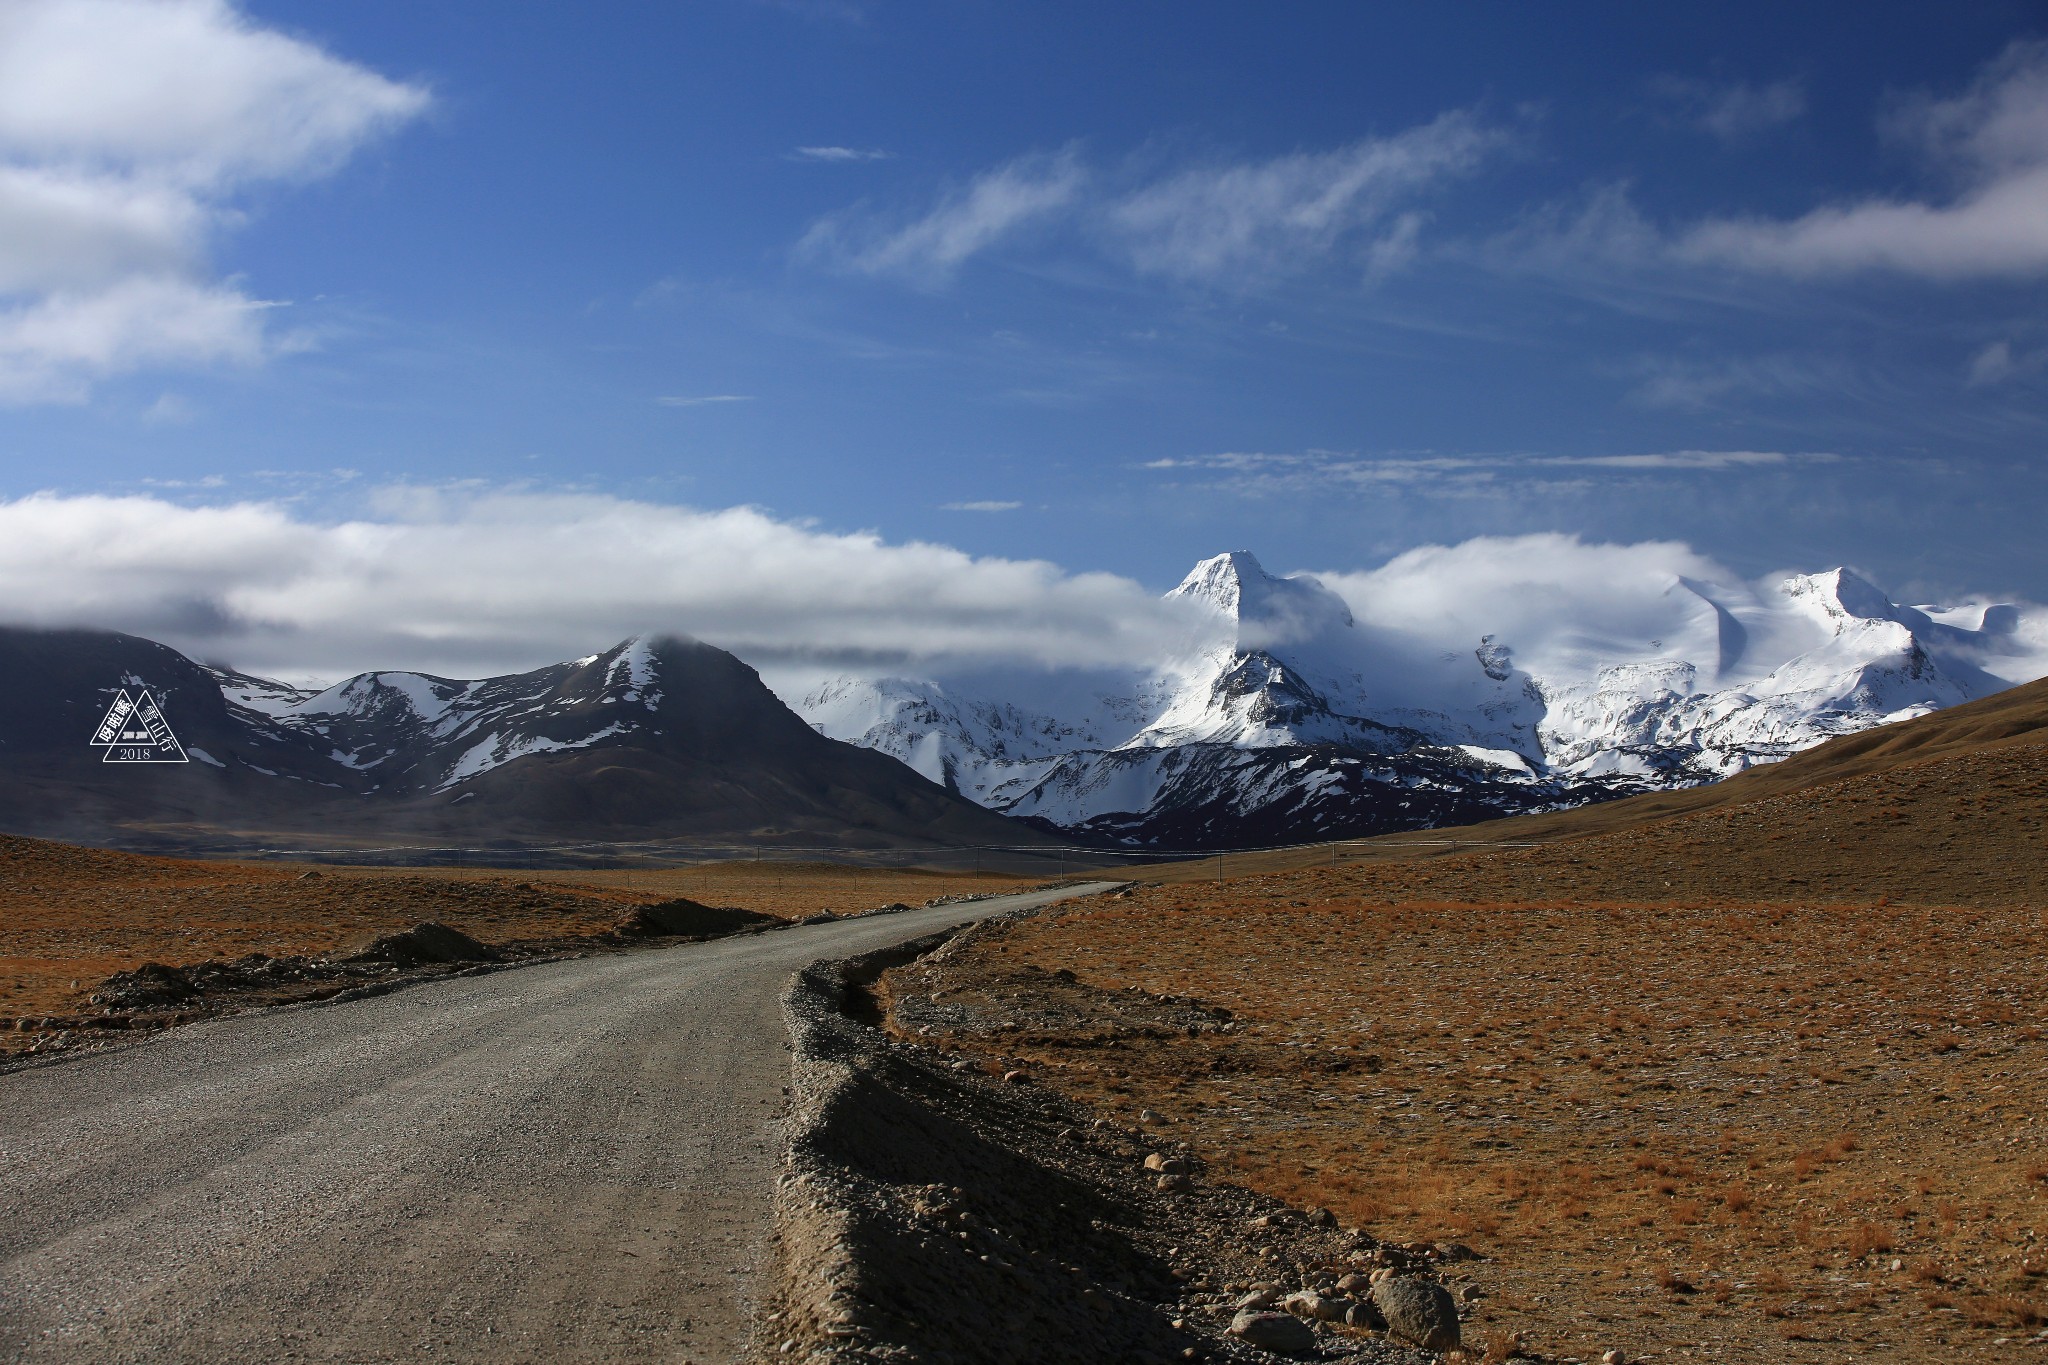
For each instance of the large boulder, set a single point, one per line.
(1281, 1333)
(1422, 1311)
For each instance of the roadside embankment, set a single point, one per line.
(930, 1211)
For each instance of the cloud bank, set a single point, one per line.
(126, 129)
(466, 582)
(471, 582)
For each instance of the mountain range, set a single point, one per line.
(1283, 717)
(655, 739)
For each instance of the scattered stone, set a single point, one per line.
(1309, 1304)
(1148, 1116)
(1015, 1078)
(1321, 1218)
(1363, 1313)
(1265, 1296)
(1612, 1357)
(1281, 1333)
(1419, 1310)
(149, 985)
(1454, 1251)
(308, 876)
(1167, 1165)
(1175, 1184)
(1354, 1283)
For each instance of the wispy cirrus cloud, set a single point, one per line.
(1224, 223)
(1731, 111)
(931, 246)
(127, 127)
(1696, 385)
(2001, 361)
(841, 155)
(1263, 472)
(985, 505)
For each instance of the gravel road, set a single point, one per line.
(566, 1162)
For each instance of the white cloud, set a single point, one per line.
(1264, 216)
(2001, 361)
(966, 221)
(686, 401)
(1991, 142)
(52, 349)
(473, 581)
(984, 506)
(1732, 112)
(1324, 470)
(470, 581)
(840, 154)
(1228, 224)
(1696, 385)
(170, 409)
(1556, 599)
(126, 129)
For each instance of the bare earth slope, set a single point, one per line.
(568, 1162)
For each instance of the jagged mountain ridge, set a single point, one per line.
(657, 738)
(1291, 719)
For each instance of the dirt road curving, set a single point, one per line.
(567, 1162)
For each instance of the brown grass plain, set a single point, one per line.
(1761, 1079)
(71, 916)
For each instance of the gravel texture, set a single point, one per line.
(572, 1161)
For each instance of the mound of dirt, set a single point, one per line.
(681, 918)
(428, 941)
(152, 985)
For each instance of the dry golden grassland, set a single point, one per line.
(1765, 1082)
(70, 917)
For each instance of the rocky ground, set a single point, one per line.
(1681, 1132)
(944, 1210)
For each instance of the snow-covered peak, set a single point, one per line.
(1268, 611)
(635, 667)
(368, 693)
(1840, 596)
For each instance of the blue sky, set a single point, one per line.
(1114, 287)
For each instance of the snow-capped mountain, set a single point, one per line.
(411, 732)
(1286, 716)
(658, 738)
